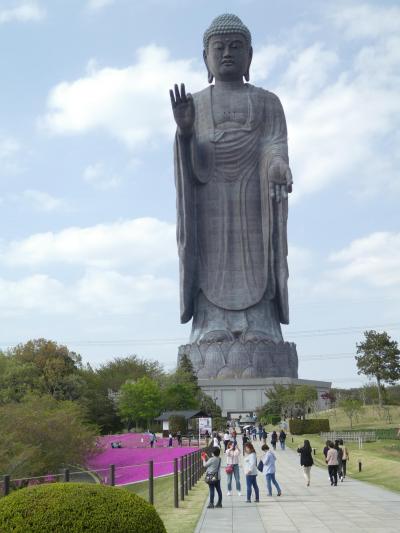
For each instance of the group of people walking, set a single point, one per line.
(251, 469)
(336, 455)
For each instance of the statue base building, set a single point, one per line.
(243, 396)
(237, 374)
(238, 359)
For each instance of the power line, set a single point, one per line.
(162, 341)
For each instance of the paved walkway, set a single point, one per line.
(352, 506)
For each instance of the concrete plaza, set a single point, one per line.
(352, 506)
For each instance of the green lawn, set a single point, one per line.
(185, 518)
(380, 460)
(370, 418)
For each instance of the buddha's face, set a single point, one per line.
(228, 57)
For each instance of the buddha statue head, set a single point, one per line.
(227, 49)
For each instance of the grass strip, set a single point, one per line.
(183, 519)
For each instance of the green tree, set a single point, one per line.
(17, 379)
(305, 397)
(99, 403)
(116, 372)
(54, 368)
(186, 367)
(180, 396)
(180, 388)
(140, 401)
(281, 400)
(351, 407)
(379, 358)
(40, 435)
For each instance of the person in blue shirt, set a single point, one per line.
(269, 470)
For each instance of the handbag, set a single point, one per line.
(211, 478)
(229, 469)
(260, 465)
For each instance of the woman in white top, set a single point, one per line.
(250, 469)
(215, 441)
(232, 467)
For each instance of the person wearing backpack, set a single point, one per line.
(250, 470)
(213, 475)
(269, 470)
(232, 467)
(306, 460)
(264, 436)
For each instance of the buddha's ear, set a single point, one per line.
(247, 73)
(210, 75)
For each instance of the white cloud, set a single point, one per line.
(132, 103)
(144, 248)
(43, 201)
(96, 5)
(112, 292)
(374, 260)
(338, 118)
(24, 12)
(33, 293)
(142, 242)
(364, 20)
(309, 72)
(98, 176)
(98, 292)
(265, 59)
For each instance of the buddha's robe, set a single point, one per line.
(232, 236)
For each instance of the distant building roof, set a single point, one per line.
(186, 414)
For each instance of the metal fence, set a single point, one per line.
(365, 436)
(187, 471)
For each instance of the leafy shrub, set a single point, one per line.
(177, 423)
(299, 427)
(386, 434)
(76, 508)
(273, 419)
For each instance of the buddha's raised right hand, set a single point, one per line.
(183, 109)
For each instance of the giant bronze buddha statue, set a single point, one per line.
(232, 180)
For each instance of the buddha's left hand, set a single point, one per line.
(280, 180)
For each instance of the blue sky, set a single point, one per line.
(87, 199)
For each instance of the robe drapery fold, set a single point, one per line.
(232, 236)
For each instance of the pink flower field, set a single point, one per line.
(131, 461)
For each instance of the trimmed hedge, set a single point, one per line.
(386, 434)
(299, 427)
(273, 419)
(77, 508)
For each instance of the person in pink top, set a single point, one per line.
(232, 467)
(332, 462)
